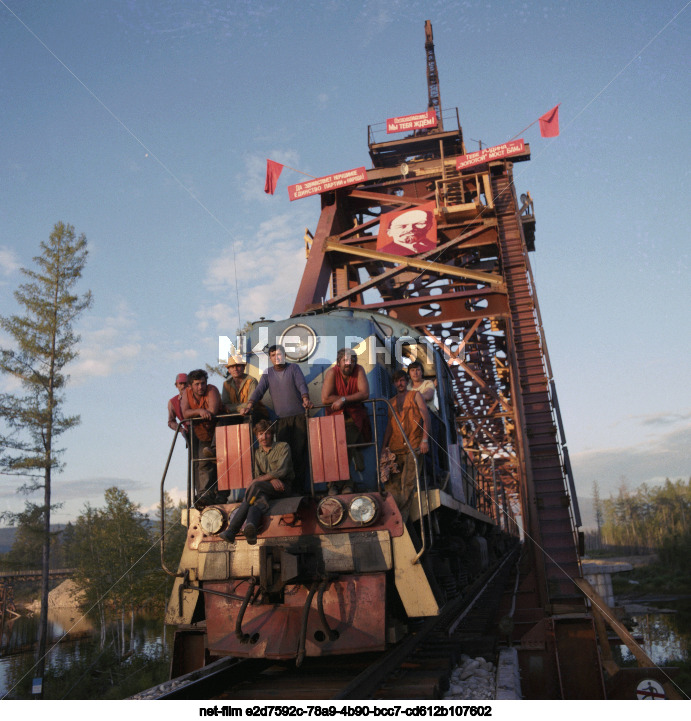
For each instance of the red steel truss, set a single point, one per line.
(474, 297)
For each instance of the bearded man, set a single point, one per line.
(345, 387)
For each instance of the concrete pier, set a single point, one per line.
(598, 573)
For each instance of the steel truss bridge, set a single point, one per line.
(473, 296)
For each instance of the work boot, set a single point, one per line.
(254, 520)
(236, 522)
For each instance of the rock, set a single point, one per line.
(67, 595)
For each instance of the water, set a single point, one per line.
(18, 649)
(665, 637)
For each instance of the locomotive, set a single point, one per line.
(373, 574)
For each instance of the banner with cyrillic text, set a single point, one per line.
(496, 152)
(412, 122)
(328, 182)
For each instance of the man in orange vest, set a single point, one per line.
(238, 388)
(202, 402)
(345, 387)
(411, 411)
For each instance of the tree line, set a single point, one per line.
(649, 517)
(115, 552)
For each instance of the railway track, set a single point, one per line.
(416, 668)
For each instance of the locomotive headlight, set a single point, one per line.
(363, 510)
(300, 341)
(330, 512)
(212, 520)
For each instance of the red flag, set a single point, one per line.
(549, 123)
(273, 170)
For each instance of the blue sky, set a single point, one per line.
(147, 125)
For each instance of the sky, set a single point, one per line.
(147, 125)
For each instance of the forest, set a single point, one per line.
(648, 519)
(115, 553)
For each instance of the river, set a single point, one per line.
(73, 639)
(666, 637)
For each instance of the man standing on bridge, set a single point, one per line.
(345, 387)
(411, 411)
(291, 399)
(174, 407)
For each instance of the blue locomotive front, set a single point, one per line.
(370, 570)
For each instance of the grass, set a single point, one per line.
(654, 579)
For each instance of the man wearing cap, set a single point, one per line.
(238, 388)
(174, 409)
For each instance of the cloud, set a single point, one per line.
(222, 314)
(268, 268)
(650, 460)
(9, 261)
(176, 494)
(184, 355)
(108, 346)
(663, 419)
(73, 494)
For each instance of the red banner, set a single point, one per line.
(505, 150)
(328, 182)
(412, 122)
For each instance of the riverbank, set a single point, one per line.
(648, 581)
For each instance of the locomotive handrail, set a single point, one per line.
(163, 506)
(187, 424)
(417, 478)
(375, 443)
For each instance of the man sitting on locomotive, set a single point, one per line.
(411, 411)
(273, 468)
(290, 397)
(345, 387)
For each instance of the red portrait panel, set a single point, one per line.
(408, 232)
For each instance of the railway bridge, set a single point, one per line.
(9, 578)
(469, 290)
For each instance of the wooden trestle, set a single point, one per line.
(472, 296)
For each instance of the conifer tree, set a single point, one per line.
(43, 342)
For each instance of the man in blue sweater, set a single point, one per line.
(290, 400)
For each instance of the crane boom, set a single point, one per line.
(434, 95)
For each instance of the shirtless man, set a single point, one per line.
(345, 387)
